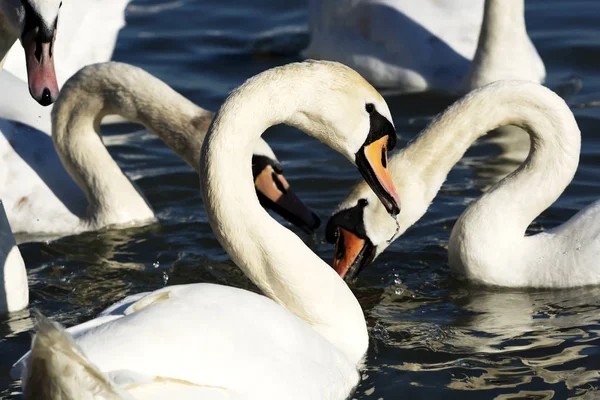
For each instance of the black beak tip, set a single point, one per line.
(46, 98)
(309, 228)
(316, 221)
(391, 206)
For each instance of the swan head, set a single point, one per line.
(361, 229)
(348, 114)
(34, 22)
(274, 191)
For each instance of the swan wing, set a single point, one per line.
(218, 337)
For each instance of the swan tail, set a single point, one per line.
(58, 369)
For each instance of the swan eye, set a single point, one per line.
(363, 203)
(370, 108)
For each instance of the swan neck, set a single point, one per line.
(504, 50)
(510, 205)
(274, 258)
(14, 290)
(551, 163)
(114, 88)
(502, 17)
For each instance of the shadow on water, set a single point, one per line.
(36, 149)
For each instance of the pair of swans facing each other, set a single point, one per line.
(448, 47)
(205, 338)
(488, 244)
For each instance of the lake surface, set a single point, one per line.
(431, 337)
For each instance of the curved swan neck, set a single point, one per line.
(14, 290)
(275, 259)
(554, 152)
(114, 88)
(504, 212)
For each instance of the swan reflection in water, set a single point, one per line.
(486, 339)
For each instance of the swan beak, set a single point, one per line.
(39, 58)
(372, 162)
(274, 192)
(351, 254)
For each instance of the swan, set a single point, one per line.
(14, 290)
(426, 45)
(91, 192)
(488, 245)
(34, 22)
(305, 338)
(87, 34)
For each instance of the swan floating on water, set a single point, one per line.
(305, 338)
(488, 243)
(449, 47)
(91, 192)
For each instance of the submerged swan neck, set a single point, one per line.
(275, 259)
(115, 88)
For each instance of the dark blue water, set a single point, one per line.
(430, 336)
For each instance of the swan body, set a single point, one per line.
(449, 47)
(305, 338)
(488, 243)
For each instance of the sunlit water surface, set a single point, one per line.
(430, 336)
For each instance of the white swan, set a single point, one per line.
(41, 198)
(34, 22)
(14, 290)
(426, 45)
(488, 243)
(306, 338)
(86, 34)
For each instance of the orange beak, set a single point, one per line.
(351, 254)
(274, 192)
(372, 162)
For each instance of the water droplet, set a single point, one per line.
(397, 281)
(156, 264)
(578, 248)
(165, 278)
(399, 291)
